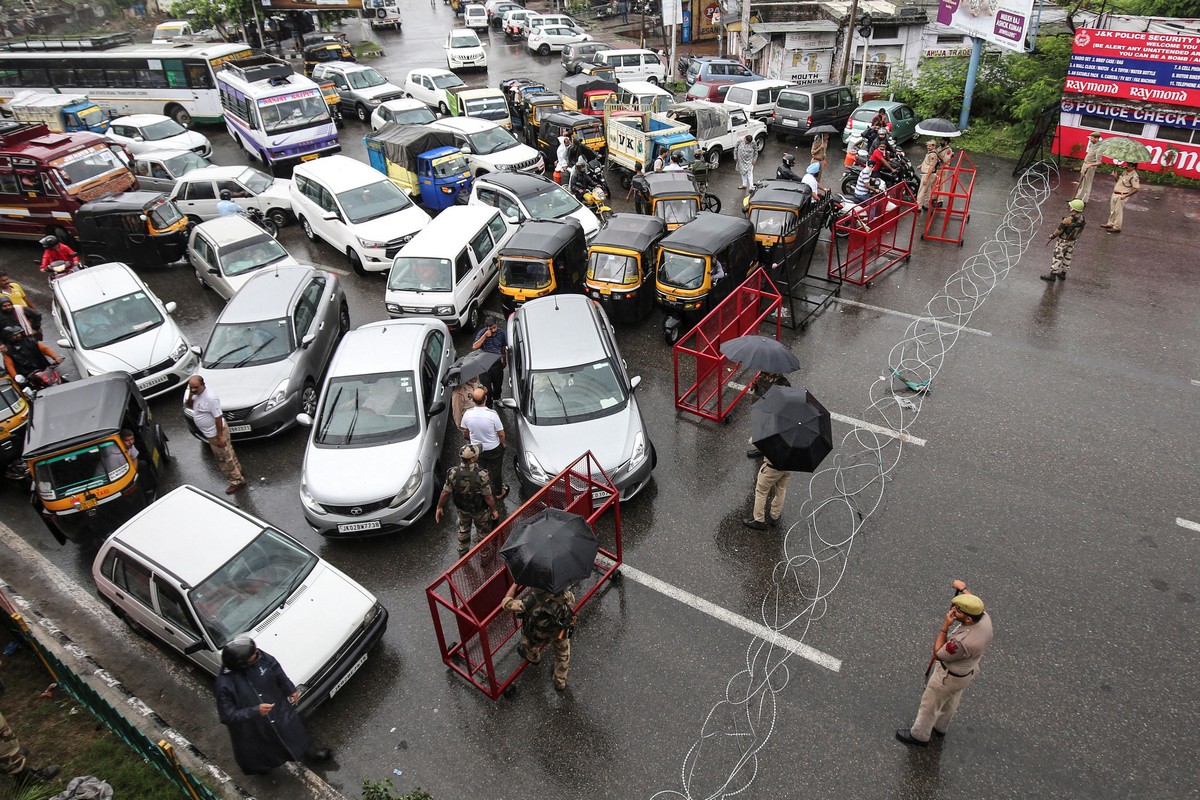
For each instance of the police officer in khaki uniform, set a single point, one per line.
(471, 489)
(1067, 233)
(545, 618)
(1128, 184)
(929, 171)
(1087, 170)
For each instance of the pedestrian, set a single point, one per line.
(1067, 233)
(746, 155)
(469, 487)
(482, 426)
(256, 701)
(760, 386)
(769, 479)
(624, 8)
(1087, 170)
(460, 399)
(14, 758)
(639, 190)
(210, 421)
(562, 159)
(819, 149)
(929, 170)
(1128, 184)
(23, 317)
(945, 152)
(956, 663)
(546, 618)
(491, 338)
(15, 292)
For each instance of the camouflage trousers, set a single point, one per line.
(562, 657)
(482, 520)
(11, 760)
(227, 460)
(1061, 261)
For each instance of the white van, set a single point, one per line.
(757, 98)
(634, 65)
(449, 269)
(644, 93)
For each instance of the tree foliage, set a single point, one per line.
(1155, 8)
(219, 14)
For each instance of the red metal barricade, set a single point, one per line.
(874, 234)
(702, 373)
(950, 202)
(477, 638)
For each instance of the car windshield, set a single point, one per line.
(87, 165)
(365, 78)
(676, 211)
(450, 166)
(183, 163)
(464, 40)
(371, 202)
(681, 271)
(165, 129)
(251, 585)
(492, 140)
(488, 108)
(250, 254)
(421, 275)
(368, 410)
(574, 394)
(257, 182)
(524, 273)
(114, 320)
(446, 81)
(551, 203)
(164, 214)
(770, 221)
(612, 268)
(244, 344)
(290, 112)
(413, 116)
(79, 470)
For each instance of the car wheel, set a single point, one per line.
(308, 398)
(193, 220)
(180, 115)
(343, 320)
(278, 216)
(759, 143)
(362, 113)
(355, 261)
(308, 231)
(200, 278)
(714, 157)
(473, 318)
(544, 50)
(652, 80)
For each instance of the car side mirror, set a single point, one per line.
(195, 349)
(195, 647)
(465, 150)
(170, 307)
(214, 271)
(508, 402)
(635, 382)
(308, 339)
(305, 420)
(330, 215)
(437, 408)
(64, 343)
(138, 139)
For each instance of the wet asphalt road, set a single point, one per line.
(1061, 444)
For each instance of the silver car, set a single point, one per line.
(361, 88)
(158, 170)
(226, 252)
(372, 464)
(269, 348)
(572, 394)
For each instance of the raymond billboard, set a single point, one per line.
(1150, 67)
(1003, 23)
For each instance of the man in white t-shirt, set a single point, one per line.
(482, 426)
(210, 421)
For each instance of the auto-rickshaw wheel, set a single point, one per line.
(163, 448)
(712, 203)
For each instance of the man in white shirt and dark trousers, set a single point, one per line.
(482, 426)
(210, 421)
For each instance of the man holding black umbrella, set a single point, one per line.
(769, 480)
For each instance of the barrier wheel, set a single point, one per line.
(510, 692)
(908, 258)
(617, 577)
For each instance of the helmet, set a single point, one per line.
(469, 451)
(1076, 204)
(677, 158)
(237, 654)
(581, 162)
(49, 241)
(226, 194)
(789, 159)
(11, 332)
(813, 168)
(968, 604)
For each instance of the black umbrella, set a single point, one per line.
(472, 365)
(941, 128)
(791, 428)
(762, 353)
(824, 129)
(551, 550)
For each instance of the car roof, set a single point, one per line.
(464, 30)
(875, 105)
(463, 124)
(810, 88)
(430, 72)
(340, 173)
(386, 346)
(139, 119)
(75, 413)
(163, 155)
(345, 66)
(631, 50)
(448, 226)
(229, 229)
(643, 87)
(94, 285)
(213, 173)
(267, 295)
(189, 533)
(555, 334)
(404, 103)
(632, 231)
(707, 232)
(519, 183)
(766, 83)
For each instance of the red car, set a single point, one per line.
(713, 91)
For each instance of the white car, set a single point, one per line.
(356, 209)
(490, 148)
(143, 133)
(475, 16)
(430, 85)
(464, 50)
(521, 197)
(548, 39)
(193, 572)
(405, 111)
(198, 192)
(112, 322)
(226, 252)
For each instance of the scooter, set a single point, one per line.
(47, 376)
(608, 12)
(58, 269)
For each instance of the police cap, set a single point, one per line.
(968, 604)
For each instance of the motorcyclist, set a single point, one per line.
(226, 207)
(580, 183)
(885, 169)
(54, 250)
(784, 171)
(28, 356)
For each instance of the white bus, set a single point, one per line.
(172, 79)
(274, 114)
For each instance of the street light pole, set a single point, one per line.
(849, 42)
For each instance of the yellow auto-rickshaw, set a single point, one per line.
(674, 198)
(699, 265)
(786, 221)
(86, 480)
(544, 256)
(333, 100)
(14, 415)
(621, 262)
(324, 52)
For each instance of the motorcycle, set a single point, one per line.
(903, 172)
(608, 12)
(261, 220)
(596, 194)
(683, 63)
(45, 377)
(58, 269)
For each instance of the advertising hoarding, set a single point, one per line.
(1150, 67)
(312, 5)
(1003, 23)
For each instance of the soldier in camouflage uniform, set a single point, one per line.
(12, 758)
(470, 487)
(545, 618)
(700, 169)
(1067, 233)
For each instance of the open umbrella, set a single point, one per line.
(472, 365)
(1119, 148)
(791, 428)
(936, 126)
(762, 353)
(551, 550)
(824, 129)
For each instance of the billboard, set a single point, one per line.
(1003, 23)
(1150, 67)
(312, 5)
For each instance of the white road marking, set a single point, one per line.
(736, 620)
(906, 315)
(335, 270)
(1195, 383)
(858, 423)
(1187, 523)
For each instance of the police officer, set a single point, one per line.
(700, 169)
(545, 618)
(471, 488)
(1067, 233)
(1128, 184)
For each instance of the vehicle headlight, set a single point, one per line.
(308, 501)
(371, 243)
(393, 307)
(441, 311)
(372, 615)
(536, 473)
(374, 101)
(279, 395)
(180, 350)
(410, 488)
(639, 451)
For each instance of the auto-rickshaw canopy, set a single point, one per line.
(78, 413)
(125, 210)
(546, 238)
(781, 194)
(708, 234)
(324, 52)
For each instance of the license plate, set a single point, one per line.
(239, 428)
(148, 382)
(606, 292)
(310, 157)
(351, 527)
(599, 494)
(791, 123)
(87, 503)
(348, 675)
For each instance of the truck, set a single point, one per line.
(586, 94)
(60, 113)
(718, 128)
(425, 162)
(636, 138)
(487, 103)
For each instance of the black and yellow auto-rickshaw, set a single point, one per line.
(14, 415)
(674, 198)
(534, 108)
(543, 257)
(142, 229)
(324, 52)
(601, 72)
(571, 124)
(787, 222)
(333, 100)
(620, 267)
(86, 481)
(699, 265)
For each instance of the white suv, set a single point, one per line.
(356, 209)
(490, 148)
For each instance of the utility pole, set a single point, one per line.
(745, 37)
(845, 71)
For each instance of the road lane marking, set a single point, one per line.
(1195, 383)
(725, 615)
(906, 315)
(858, 423)
(1187, 523)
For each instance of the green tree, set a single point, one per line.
(220, 14)
(1155, 8)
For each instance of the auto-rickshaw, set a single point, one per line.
(324, 52)
(14, 414)
(514, 89)
(587, 94)
(85, 479)
(543, 257)
(601, 72)
(699, 265)
(534, 107)
(333, 100)
(422, 160)
(142, 229)
(786, 221)
(570, 124)
(621, 262)
(674, 198)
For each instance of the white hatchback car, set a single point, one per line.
(193, 572)
(142, 133)
(226, 252)
(405, 111)
(464, 50)
(475, 16)
(548, 39)
(112, 322)
(430, 85)
(356, 209)
(197, 193)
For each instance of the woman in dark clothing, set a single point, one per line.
(257, 702)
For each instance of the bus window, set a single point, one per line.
(48, 186)
(150, 75)
(8, 183)
(119, 75)
(62, 76)
(29, 183)
(9, 77)
(198, 75)
(33, 76)
(90, 77)
(176, 77)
